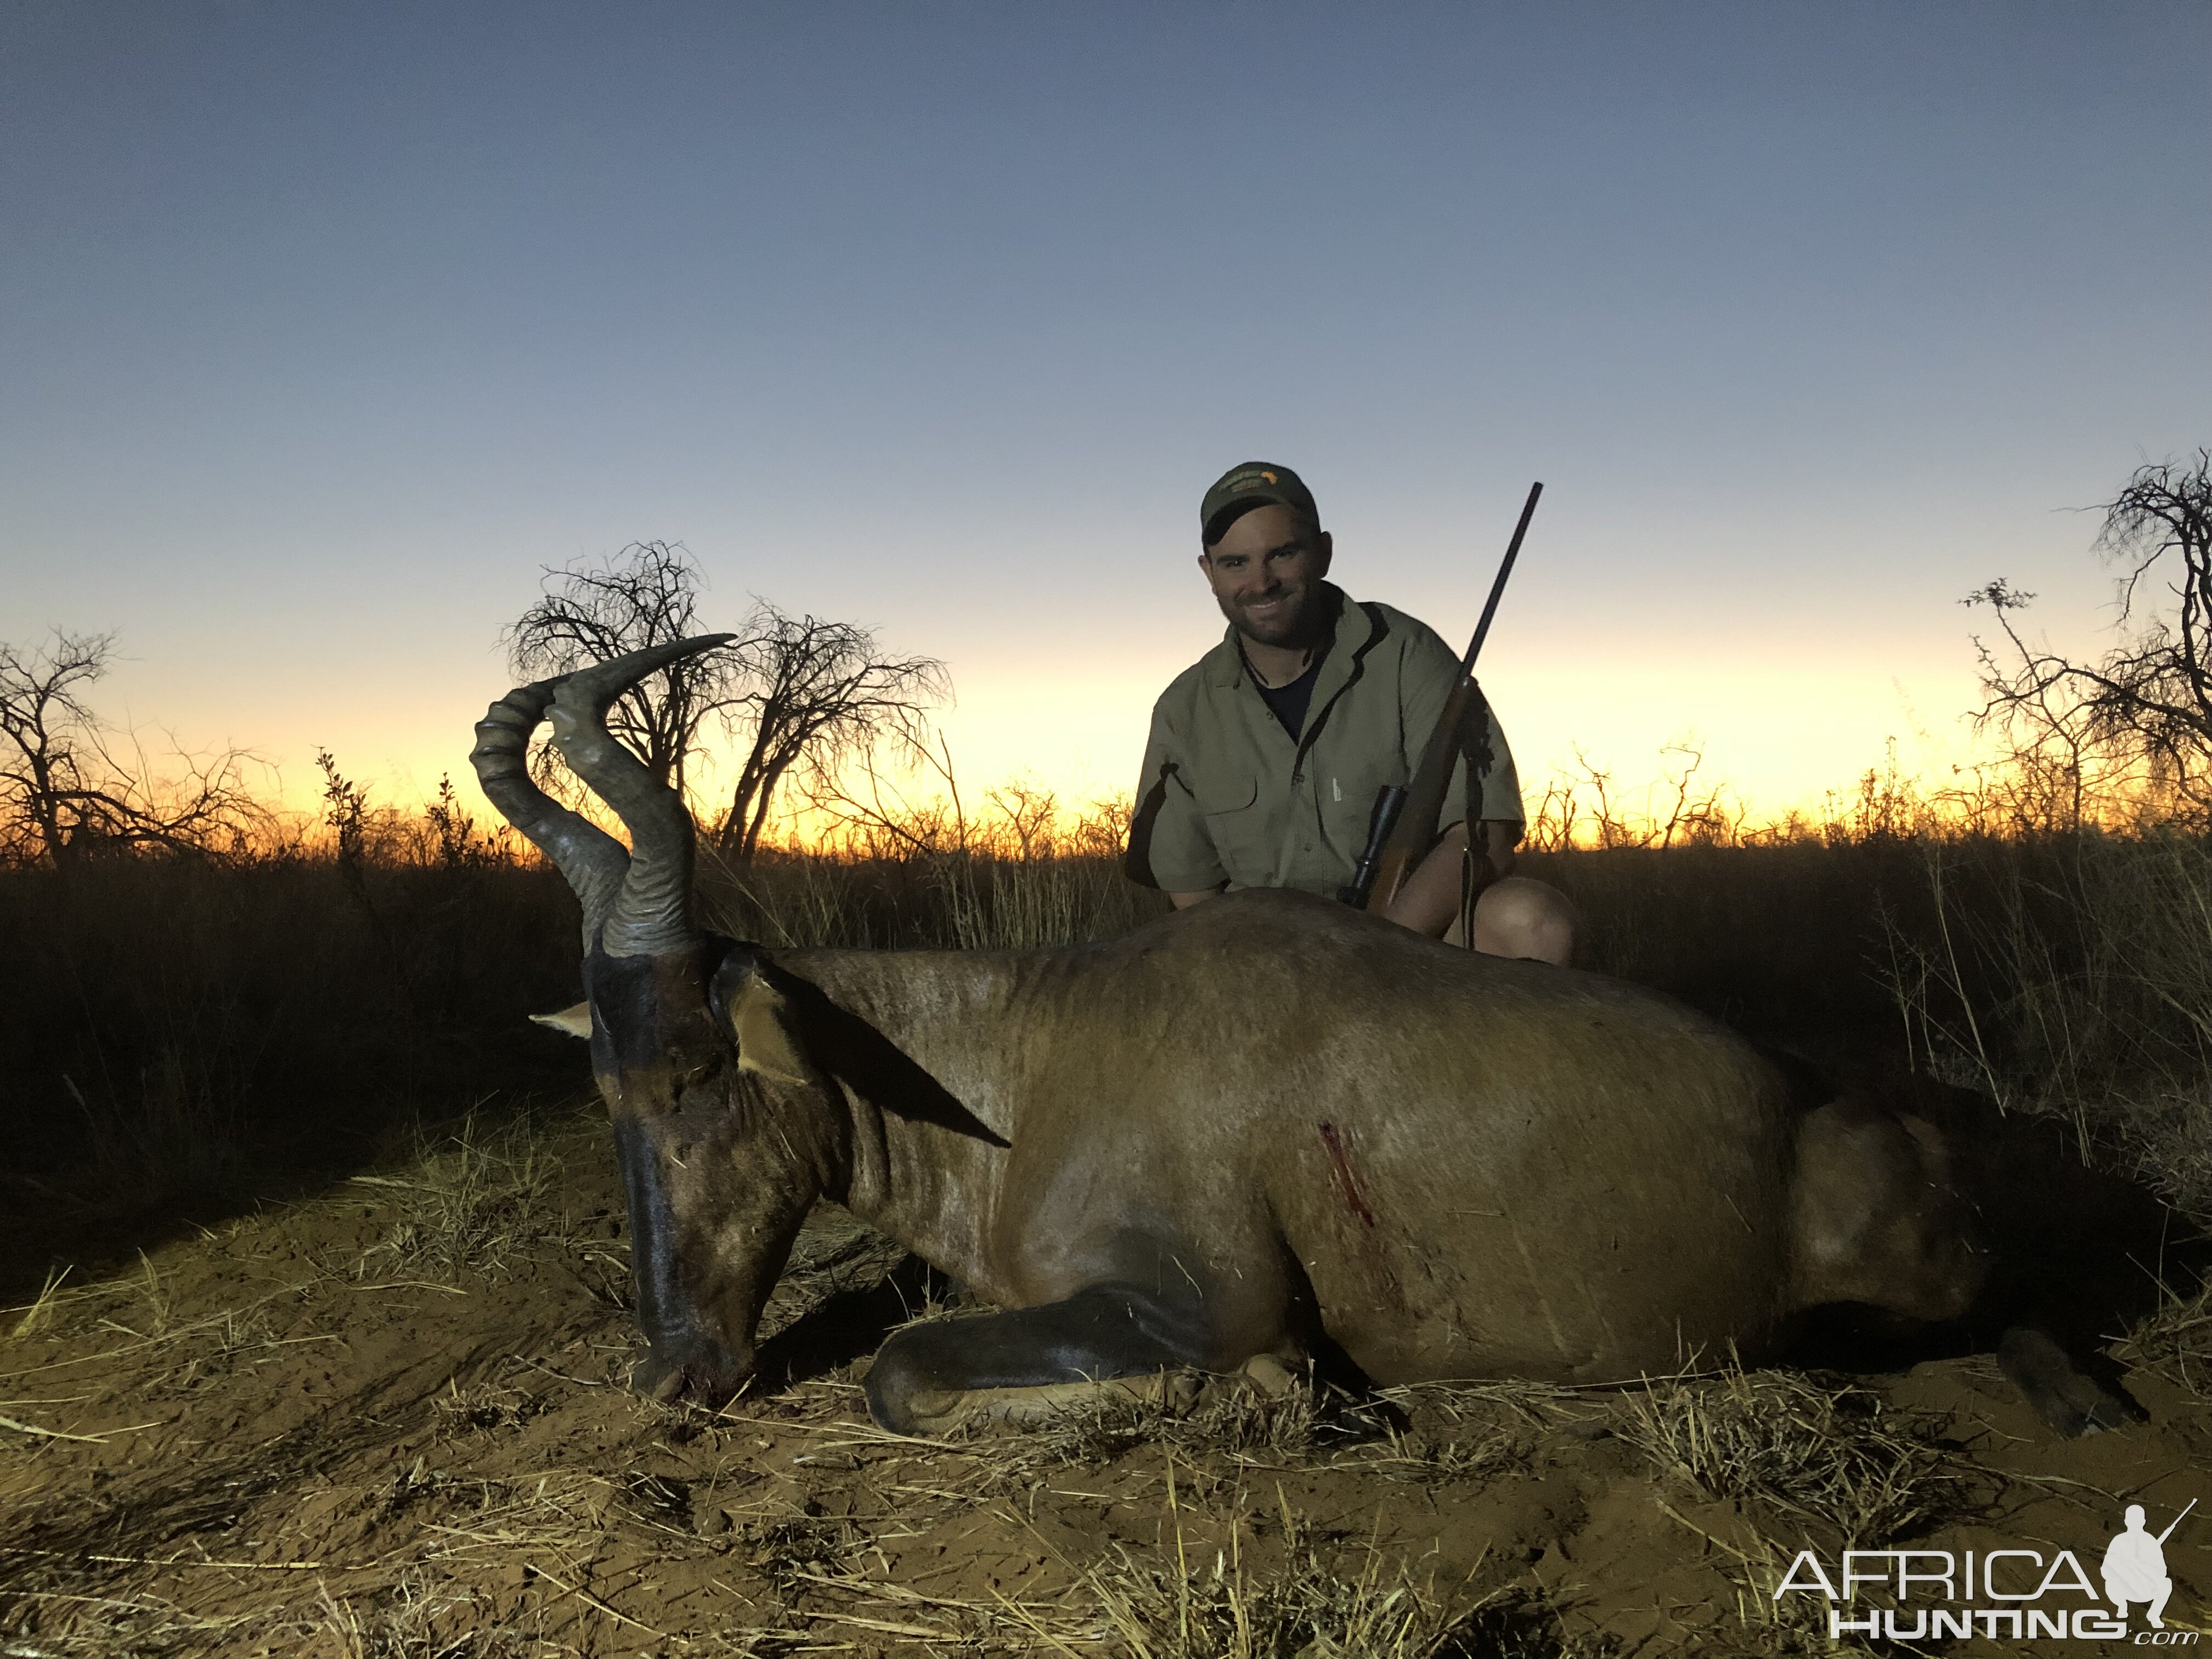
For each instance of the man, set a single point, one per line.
(1267, 754)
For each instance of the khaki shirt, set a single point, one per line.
(1227, 796)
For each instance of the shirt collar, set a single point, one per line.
(1225, 664)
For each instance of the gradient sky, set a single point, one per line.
(323, 327)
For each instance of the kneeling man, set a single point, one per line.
(1267, 754)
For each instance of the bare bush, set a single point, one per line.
(869, 810)
(2131, 732)
(817, 695)
(648, 594)
(800, 694)
(70, 791)
(1585, 806)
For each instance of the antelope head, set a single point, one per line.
(719, 1153)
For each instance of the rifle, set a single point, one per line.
(2178, 1520)
(1403, 825)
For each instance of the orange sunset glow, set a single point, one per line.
(887, 363)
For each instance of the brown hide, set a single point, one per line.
(1264, 1125)
(1466, 1166)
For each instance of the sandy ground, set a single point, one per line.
(393, 1421)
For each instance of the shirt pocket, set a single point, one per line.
(1347, 796)
(1215, 795)
(1236, 822)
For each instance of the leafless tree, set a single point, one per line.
(870, 813)
(819, 695)
(1032, 816)
(1101, 830)
(66, 792)
(796, 692)
(2147, 705)
(647, 594)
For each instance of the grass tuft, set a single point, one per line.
(475, 1202)
(1152, 1606)
(36, 1314)
(1831, 1454)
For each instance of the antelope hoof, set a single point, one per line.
(2065, 1401)
(1267, 1377)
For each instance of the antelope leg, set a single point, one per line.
(1028, 1362)
(2066, 1400)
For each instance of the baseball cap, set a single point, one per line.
(1247, 486)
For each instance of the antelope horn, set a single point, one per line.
(652, 913)
(591, 860)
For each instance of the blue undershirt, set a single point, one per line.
(1290, 702)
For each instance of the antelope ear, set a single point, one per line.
(757, 1015)
(576, 1021)
(761, 1019)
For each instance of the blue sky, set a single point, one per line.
(323, 327)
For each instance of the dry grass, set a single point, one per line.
(420, 1618)
(943, 899)
(478, 1558)
(34, 1315)
(138, 1344)
(834, 1256)
(1300, 1608)
(2175, 1339)
(1223, 1428)
(475, 1201)
(1221, 1415)
(82, 1626)
(189, 1034)
(1833, 1455)
(1216, 1592)
(2072, 976)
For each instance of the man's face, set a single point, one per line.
(1265, 573)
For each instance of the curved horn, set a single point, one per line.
(652, 914)
(592, 861)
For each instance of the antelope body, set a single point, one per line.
(1265, 1125)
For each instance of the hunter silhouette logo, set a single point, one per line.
(2135, 1566)
(2004, 1594)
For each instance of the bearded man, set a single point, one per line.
(1266, 755)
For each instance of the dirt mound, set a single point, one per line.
(393, 1421)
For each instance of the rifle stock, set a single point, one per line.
(1415, 832)
(1409, 840)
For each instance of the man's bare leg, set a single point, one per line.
(1518, 917)
(1514, 916)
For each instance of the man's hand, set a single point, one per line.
(1429, 901)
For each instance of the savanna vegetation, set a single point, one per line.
(317, 1265)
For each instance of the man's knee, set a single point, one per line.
(1519, 917)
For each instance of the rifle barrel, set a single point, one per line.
(1408, 841)
(1497, 587)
